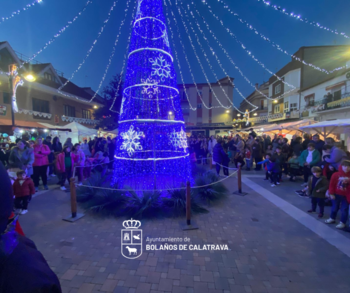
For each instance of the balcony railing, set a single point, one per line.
(324, 105)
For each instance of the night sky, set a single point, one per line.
(29, 31)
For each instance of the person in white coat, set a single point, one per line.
(85, 148)
(211, 144)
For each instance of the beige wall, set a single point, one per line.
(56, 107)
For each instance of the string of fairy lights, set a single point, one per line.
(123, 66)
(250, 54)
(211, 67)
(17, 12)
(91, 48)
(302, 19)
(274, 45)
(60, 32)
(218, 60)
(199, 61)
(190, 12)
(113, 52)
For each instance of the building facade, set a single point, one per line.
(207, 116)
(288, 103)
(40, 101)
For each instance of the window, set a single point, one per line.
(199, 106)
(69, 111)
(48, 76)
(310, 100)
(277, 109)
(6, 98)
(40, 106)
(337, 95)
(278, 89)
(86, 114)
(262, 105)
(293, 107)
(286, 106)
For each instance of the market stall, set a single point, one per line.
(111, 133)
(78, 132)
(339, 128)
(290, 128)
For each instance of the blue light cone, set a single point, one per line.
(152, 150)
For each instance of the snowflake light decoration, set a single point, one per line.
(178, 139)
(131, 141)
(151, 87)
(160, 67)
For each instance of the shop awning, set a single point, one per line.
(30, 125)
(295, 125)
(326, 128)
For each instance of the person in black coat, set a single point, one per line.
(257, 153)
(306, 141)
(219, 156)
(252, 133)
(297, 146)
(22, 267)
(318, 143)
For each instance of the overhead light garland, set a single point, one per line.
(60, 32)
(302, 19)
(122, 71)
(199, 61)
(90, 50)
(251, 55)
(15, 13)
(218, 61)
(178, 61)
(113, 52)
(273, 44)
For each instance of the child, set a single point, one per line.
(293, 167)
(280, 160)
(269, 150)
(23, 188)
(339, 190)
(239, 159)
(248, 157)
(317, 187)
(328, 171)
(64, 165)
(274, 170)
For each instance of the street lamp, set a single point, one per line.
(227, 111)
(14, 82)
(238, 115)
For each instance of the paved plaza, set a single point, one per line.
(273, 247)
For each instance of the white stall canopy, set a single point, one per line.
(325, 128)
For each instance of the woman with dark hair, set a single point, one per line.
(56, 145)
(68, 142)
(297, 146)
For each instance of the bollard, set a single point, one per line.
(239, 182)
(190, 225)
(73, 203)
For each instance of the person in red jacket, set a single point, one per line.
(23, 188)
(41, 162)
(339, 191)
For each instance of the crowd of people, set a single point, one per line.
(323, 166)
(46, 159)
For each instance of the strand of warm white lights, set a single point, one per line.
(247, 51)
(273, 44)
(113, 52)
(305, 20)
(123, 66)
(60, 32)
(178, 61)
(199, 61)
(211, 67)
(226, 53)
(216, 57)
(90, 50)
(15, 13)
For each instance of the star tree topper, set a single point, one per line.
(131, 141)
(178, 139)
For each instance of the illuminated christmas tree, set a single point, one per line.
(152, 148)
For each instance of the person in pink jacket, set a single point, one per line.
(64, 165)
(78, 158)
(41, 162)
